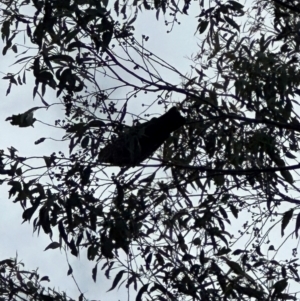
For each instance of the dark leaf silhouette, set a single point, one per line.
(286, 219)
(116, 280)
(53, 245)
(142, 290)
(297, 226)
(94, 273)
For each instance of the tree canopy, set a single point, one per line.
(194, 204)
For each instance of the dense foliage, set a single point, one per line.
(173, 224)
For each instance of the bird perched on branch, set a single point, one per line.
(139, 142)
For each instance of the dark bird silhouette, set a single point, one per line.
(139, 142)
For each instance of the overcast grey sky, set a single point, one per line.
(18, 238)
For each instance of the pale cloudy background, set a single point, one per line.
(175, 48)
(19, 238)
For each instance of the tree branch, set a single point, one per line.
(230, 171)
(281, 125)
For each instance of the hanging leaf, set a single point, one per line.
(53, 245)
(45, 278)
(141, 292)
(85, 141)
(297, 225)
(148, 261)
(258, 251)
(106, 38)
(232, 23)
(236, 5)
(70, 271)
(27, 214)
(146, 5)
(202, 26)
(287, 176)
(279, 286)
(286, 219)
(149, 179)
(116, 7)
(39, 140)
(283, 271)
(94, 273)
(234, 210)
(116, 280)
